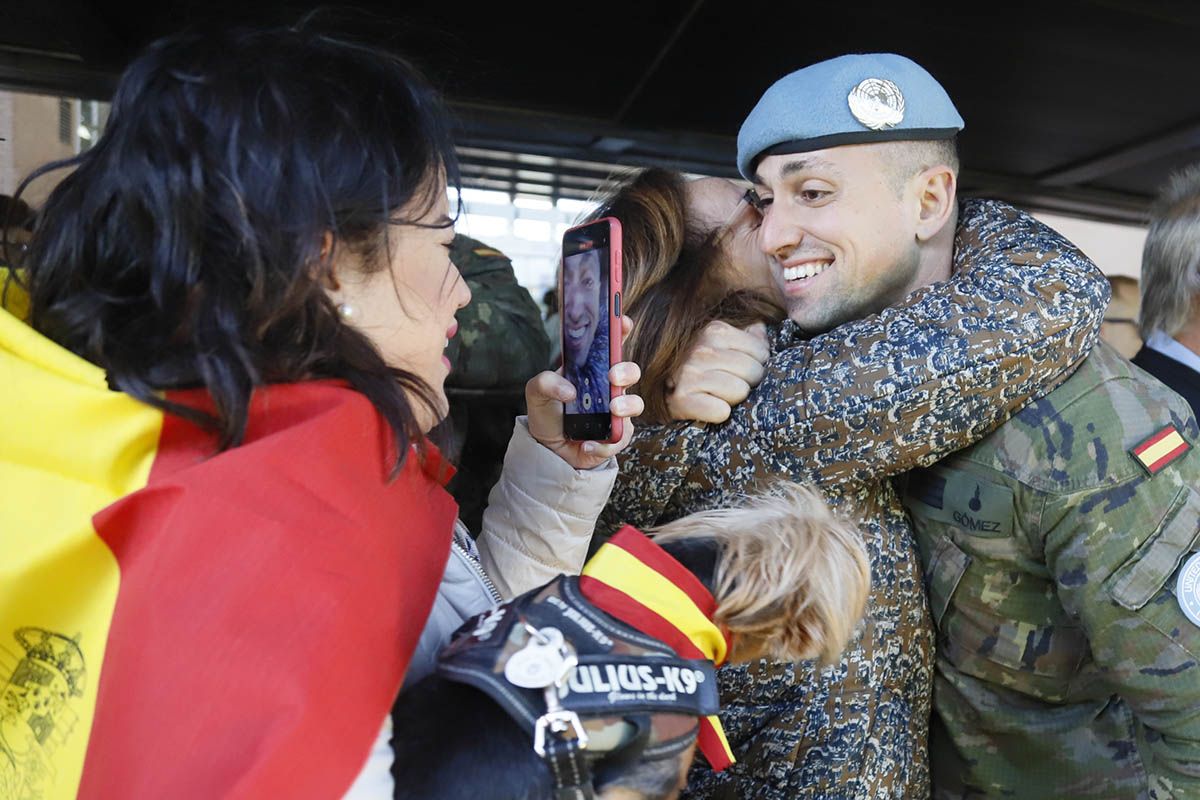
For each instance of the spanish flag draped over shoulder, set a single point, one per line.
(175, 624)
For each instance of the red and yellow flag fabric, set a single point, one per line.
(1160, 449)
(178, 624)
(633, 579)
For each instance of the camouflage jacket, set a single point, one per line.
(501, 341)
(1065, 667)
(500, 344)
(846, 410)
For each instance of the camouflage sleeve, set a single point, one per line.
(1115, 556)
(501, 340)
(651, 469)
(906, 387)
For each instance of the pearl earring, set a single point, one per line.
(345, 310)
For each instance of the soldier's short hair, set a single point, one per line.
(1171, 256)
(905, 159)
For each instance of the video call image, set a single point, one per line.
(585, 330)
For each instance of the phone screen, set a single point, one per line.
(586, 330)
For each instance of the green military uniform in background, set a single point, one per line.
(1065, 665)
(499, 346)
(501, 342)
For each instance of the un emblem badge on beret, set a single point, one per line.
(1187, 589)
(877, 103)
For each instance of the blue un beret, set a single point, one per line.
(854, 99)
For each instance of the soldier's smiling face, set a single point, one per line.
(840, 235)
(581, 304)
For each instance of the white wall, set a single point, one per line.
(1116, 249)
(8, 169)
(528, 230)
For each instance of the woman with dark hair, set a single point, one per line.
(226, 538)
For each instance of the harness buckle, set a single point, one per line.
(558, 721)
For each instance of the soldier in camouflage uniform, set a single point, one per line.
(846, 410)
(500, 345)
(1066, 667)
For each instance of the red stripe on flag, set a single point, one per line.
(713, 748)
(625, 608)
(1168, 458)
(639, 545)
(1155, 439)
(270, 599)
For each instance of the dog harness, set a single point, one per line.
(630, 638)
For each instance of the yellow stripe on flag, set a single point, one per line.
(626, 573)
(58, 580)
(1161, 448)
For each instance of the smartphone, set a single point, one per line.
(589, 291)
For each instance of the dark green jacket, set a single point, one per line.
(1065, 667)
(501, 344)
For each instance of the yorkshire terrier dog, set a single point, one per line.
(601, 685)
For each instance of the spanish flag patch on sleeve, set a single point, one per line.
(1160, 449)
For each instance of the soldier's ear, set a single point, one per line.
(936, 199)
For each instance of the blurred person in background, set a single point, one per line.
(499, 346)
(1170, 312)
(551, 326)
(1120, 326)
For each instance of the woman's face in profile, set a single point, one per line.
(406, 305)
(716, 204)
(581, 304)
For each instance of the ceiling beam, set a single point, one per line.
(669, 45)
(41, 72)
(1097, 204)
(1128, 156)
(584, 139)
(600, 173)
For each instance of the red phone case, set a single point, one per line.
(614, 318)
(616, 424)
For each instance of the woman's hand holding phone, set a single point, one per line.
(545, 395)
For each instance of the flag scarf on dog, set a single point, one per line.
(175, 623)
(671, 605)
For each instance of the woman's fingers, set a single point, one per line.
(548, 386)
(601, 451)
(627, 405)
(624, 374)
(626, 327)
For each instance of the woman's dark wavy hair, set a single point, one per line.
(185, 249)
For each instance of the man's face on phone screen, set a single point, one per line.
(581, 304)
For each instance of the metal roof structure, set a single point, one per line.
(1076, 106)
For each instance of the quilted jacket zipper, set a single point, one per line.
(463, 543)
